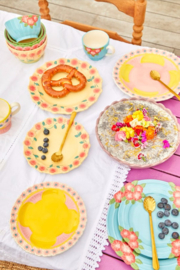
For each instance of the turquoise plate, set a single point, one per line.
(132, 215)
(136, 260)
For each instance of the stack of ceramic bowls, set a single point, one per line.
(26, 38)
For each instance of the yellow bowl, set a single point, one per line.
(30, 56)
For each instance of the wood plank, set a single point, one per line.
(153, 45)
(156, 36)
(109, 263)
(152, 174)
(177, 52)
(173, 105)
(108, 10)
(163, 7)
(173, 1)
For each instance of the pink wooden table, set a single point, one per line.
(167, 171)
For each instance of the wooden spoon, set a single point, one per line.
(58, 156)
(156, 76)
(149, 206)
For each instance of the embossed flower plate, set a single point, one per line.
(132, 73)
(127, 153)
(75, 149)
(78, 101)
(48, 218)
(132, 215)
(129, 243)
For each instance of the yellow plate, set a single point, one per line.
(74, 152)
(78, 101)
(132, 74)
(48, 219)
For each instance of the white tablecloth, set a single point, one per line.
(92, 180)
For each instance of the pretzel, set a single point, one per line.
(66, 83)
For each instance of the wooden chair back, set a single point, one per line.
(133, 8)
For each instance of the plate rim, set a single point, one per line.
(125, 162)
(39, 251)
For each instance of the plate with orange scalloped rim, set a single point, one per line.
(48, 218)
(78, 101)
(132, 73)
(74, 152)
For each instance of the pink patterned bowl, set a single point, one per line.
(29, 56)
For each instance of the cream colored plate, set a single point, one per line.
(74, 152)
(78, 101)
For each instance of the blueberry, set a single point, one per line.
(168, 222)
(160, 214)
(43, 157)
(46, 144)
(161, 235)
(161, 225)
(175, 235)
(46, 140)
(46, 131)
(165, 231)
(167, 207)
(166, 213)
(45, 150)
(160, 205)
(164, 201)
(175, 212)
(40, 148)
(175, 225)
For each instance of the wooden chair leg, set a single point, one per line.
(139, 17)
(44, 10)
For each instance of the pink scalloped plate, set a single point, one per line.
(132, 74)
(74, 101)
(125, 152)
(74, 152)
(48, 219)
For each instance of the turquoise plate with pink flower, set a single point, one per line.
(130, 242)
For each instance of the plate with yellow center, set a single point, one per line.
(48, 218)
(74, 101)
(74, 152)
(132, 74)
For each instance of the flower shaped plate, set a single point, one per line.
(38, 217)
(132, 73)
(75, 149)
(115, 232)
(132, 215)
(127, 153)
(78, 101)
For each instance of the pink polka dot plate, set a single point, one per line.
(48, 219)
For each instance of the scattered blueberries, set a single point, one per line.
(166, 213)
(175, 225)
(167, 207)
(46, 131)
(167, 222)
(161, 235)
(45, 150)
(46, 144)
(164, 201)
(160, 205)
(161, 225)
(165, 231)
(175, 212)
(160, 214)
(175, 235)
(40, 148)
